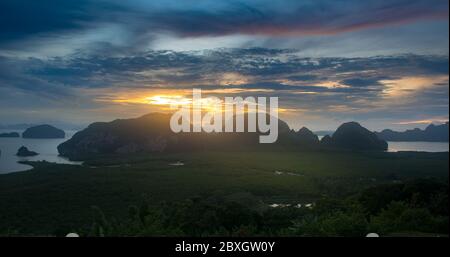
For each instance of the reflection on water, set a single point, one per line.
(418, 146)
(432, 147)
(45, 147)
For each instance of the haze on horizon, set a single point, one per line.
(381, 63)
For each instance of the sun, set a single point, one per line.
(205, 104)
(168, 100)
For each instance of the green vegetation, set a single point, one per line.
(218, 193)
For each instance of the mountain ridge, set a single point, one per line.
(432, 133)
(151, 133)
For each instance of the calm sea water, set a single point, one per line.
(47, 150)
(45, 147)
(418, 146)
(432, 147)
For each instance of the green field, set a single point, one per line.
(54, 197)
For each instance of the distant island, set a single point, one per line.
(353, 136)
(432, 133)
(10, 134)
(43, 131)
(24, 152)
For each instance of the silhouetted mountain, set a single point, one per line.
(148, 133)
(24, 152)
(432, 133)
(43, 131)
(326, 141)
(152, 133)
(353, 136)
(306, 136)
(10, 134)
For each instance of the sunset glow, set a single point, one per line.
(168, 100)
(409, 85)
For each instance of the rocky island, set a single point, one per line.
(432, 133)
(24, 152)
(43, 131)
(353, 136)
(10, 134)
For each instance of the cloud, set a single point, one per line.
(295, 17)
(331, 88)
(141, 20)
(20, 19)
(280, 69)
(362, 82)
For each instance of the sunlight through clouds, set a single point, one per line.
(398, 88)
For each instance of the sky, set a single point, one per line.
(378, 62)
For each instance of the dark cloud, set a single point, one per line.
(16, 78)
(296, 17)
(361, 82)
(21, 19)
(307, 77)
